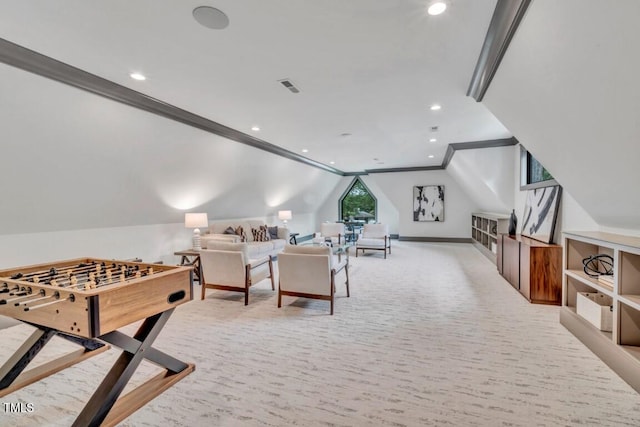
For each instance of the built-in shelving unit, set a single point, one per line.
(485, 228)
(620, 348)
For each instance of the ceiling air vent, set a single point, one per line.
(289, 85)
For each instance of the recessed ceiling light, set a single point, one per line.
(333, 163)
(137, 76)
(211, 17)
(255, 128)
(305, 150)
(435, 107)
(431, 156)
(432, 140)
(437, 8)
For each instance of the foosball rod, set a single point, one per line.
(60, 270)
(83, 276)
(6, 289)
(9, 300)
(35, 307)
(77, 270)
(103, 278)
(33, 300)
(45, 275)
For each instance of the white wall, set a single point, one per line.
(86, 176)
(568, 90)
(150, 242)
(398, 187)
(486, 174)
(73, 160)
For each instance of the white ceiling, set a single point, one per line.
(364, 67)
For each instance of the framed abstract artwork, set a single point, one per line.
(540, 213)
(428, 203)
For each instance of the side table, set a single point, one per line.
(191, 257)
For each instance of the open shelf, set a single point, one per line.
(629, 273)
(595, 284)
(485, 228)
(620, 349)
(631, 300)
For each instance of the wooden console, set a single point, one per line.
(533, 268)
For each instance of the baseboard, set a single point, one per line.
(435, 239)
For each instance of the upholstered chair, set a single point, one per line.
(227, 266)
(310, 272)
(333, 230)
(374, 237)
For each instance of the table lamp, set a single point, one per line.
(284, 216)
(195, 221)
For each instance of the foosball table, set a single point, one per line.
(86, 301)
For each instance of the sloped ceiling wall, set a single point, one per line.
(72, 160)
(487, 176)
(568, 90)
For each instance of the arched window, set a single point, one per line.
(358, 203)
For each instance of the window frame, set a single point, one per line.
(348, 190)
(525, 158)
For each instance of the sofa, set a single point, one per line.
(256, 249)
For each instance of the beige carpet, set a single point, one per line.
(432, 336)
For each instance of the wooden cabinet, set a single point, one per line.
(534, 268)
(620, 348)
(485, 228)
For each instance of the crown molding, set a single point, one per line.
(504, 23)
(451, 149)
(42, 65)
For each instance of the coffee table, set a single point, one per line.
(336, 248)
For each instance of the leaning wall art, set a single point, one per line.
(540, 212)
(428, 203)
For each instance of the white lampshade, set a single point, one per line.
(196, 220)
(284, 215)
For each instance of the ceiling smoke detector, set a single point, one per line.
(289, 85)
(434, 128)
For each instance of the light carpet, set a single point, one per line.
(432, 336)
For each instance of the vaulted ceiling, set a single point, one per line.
(368, 72)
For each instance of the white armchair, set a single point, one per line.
(331, 230)
(374, 237)
(309, 272)
(226, 266)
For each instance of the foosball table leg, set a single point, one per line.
(105, 408)
(23, 356)
(13, 378)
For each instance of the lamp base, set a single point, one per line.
(197, 242)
